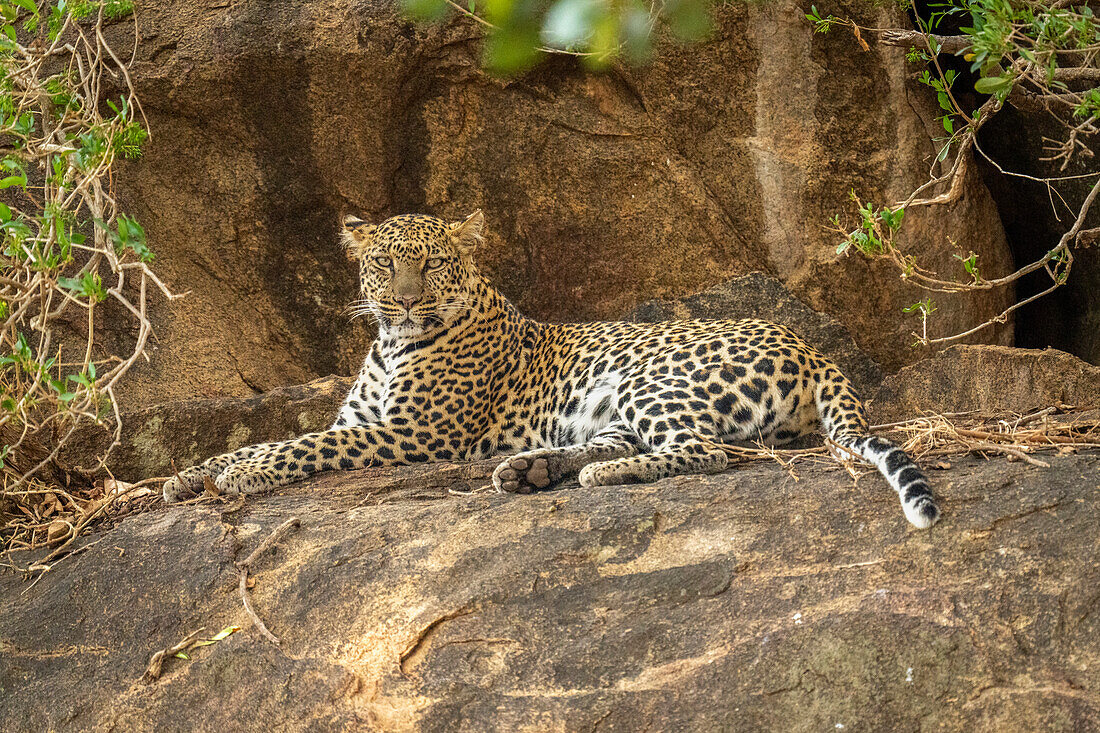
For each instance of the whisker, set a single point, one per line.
(364, 303)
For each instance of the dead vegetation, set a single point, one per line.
(933, 437)
(73, 265)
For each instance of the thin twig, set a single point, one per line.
(156, 662)
(247, 564)
(1008, 450)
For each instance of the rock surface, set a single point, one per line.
(743, 601)
(271, 119)
(190, 431)
(758, 296)
(988, 379)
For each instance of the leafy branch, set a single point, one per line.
(1028, 54)
(66, 251)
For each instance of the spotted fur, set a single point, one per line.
(458, 373)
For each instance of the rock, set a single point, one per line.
(742, 601)
(758, 296)
(987, 379)
(190, 431)
(601, 191)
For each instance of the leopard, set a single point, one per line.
(458, 373)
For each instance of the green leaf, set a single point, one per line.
(689, 19)
(70, 283)
(227, 631)
(570, 22)
(10, 181)
(24, 124)
(992, 84)
(510, 51)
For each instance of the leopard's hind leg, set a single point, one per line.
(539, 468)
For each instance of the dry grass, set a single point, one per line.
(39, 516)
(932, 437)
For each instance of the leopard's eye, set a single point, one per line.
(383, 261)
(435, 263)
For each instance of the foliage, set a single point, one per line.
(520, 32)
(1032, 55)
(66, 252)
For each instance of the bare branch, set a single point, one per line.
(952, 45)
(1032, 68)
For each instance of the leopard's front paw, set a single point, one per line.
(186, 483)
(246, 477)
(524, 473)
(587, 477)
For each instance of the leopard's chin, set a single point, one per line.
(411, 327)
(406, 329)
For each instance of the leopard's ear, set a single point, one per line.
(356, 235)
(466, 235)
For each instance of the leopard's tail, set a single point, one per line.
(841, 413)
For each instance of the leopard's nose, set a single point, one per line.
(407, 300)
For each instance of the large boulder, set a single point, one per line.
(600, 190)
(752, 600)
(987, 379)
(156, 440)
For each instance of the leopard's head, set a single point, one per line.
(415, 271)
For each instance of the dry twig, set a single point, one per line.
(952, 434)
(247, 564)
(156, 662)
